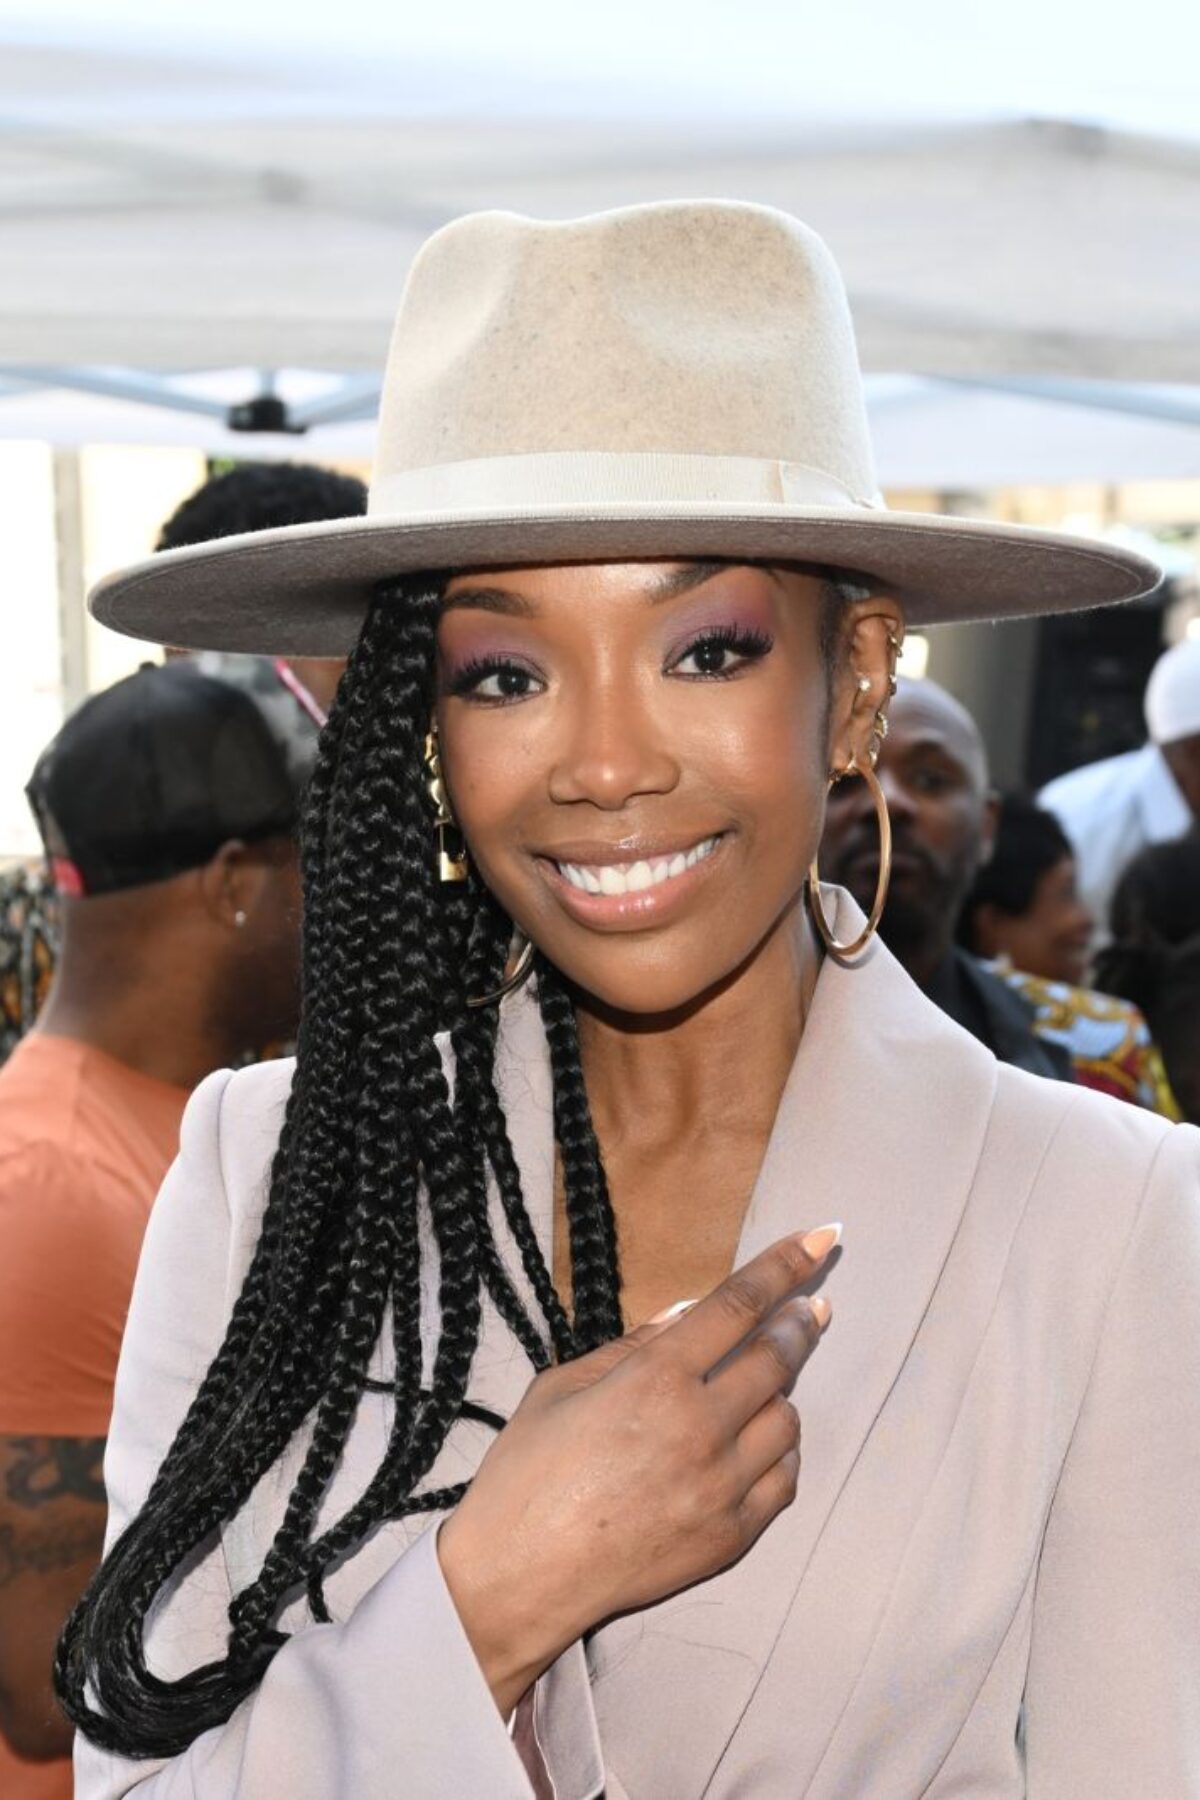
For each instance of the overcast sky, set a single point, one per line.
(1136, 63)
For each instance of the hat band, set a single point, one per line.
(589, 478)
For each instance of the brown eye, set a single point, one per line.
(495, 680)
(721, 653)
(710, 657)
(509, 683)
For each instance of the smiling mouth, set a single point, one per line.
(634, 877)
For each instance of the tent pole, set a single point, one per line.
(72, 583)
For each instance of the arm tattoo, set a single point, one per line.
(42, 1552)
(43, 1469)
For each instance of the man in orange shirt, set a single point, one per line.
(168, 806)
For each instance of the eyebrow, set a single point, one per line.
(673, 582)
(488, 599)
(510, 604)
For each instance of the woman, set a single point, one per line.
(1025, 904)
(370, 1547)
(1025, 918)
(1154, 956)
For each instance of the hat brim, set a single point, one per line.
(303, 590)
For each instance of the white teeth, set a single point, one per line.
(611, 878)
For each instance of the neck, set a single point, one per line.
(716, 1067)
(919, 945)
(925, 959)
(139, 1013)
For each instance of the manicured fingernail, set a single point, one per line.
(821, 1310)
(672, 1312)
(818, 1244)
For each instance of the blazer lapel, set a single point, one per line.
(880, 1125)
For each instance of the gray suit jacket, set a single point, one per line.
(998, 1515)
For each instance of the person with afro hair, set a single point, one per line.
(259, 496)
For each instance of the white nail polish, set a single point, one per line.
(672, 1312)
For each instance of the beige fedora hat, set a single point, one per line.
(672, 380)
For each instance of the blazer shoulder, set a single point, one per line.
(252, 1093)
(1079, 1114)
(1097, 1156)
(235, 1118)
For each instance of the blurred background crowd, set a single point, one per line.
(206, 231)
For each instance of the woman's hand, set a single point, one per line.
(631, 1473)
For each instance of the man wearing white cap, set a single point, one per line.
(1113, 809)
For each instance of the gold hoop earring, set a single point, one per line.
(452, 865)
(845, 953)
(509, 985)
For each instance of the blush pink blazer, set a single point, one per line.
(989, 1582)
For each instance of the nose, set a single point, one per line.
(612, 753)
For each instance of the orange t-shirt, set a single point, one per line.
(84, 1144)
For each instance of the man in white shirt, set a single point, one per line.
(1113, 809)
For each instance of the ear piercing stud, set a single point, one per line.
(879, 728)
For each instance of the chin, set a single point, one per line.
(666, 998)
(664, 978)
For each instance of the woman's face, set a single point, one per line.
(1052, 937)
(637, 756)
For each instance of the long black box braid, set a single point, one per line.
(390, 956)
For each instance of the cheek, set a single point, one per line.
(766, 763)
(494, 779)
(1062, 922)
(499, 764)
(954, 825)
(1024, 936)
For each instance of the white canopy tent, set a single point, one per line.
(929, 433)
(206, 205)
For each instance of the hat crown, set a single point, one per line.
(673, 380)
(698, 328)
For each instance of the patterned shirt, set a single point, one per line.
(1108, 1040)
(29, 934)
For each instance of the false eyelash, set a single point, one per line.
(743, 639)
(472, 673)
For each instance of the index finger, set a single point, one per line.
(719, 1322)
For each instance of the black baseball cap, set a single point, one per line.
(152, 776)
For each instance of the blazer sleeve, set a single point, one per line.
(1113, 1695)
(392, 1701)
